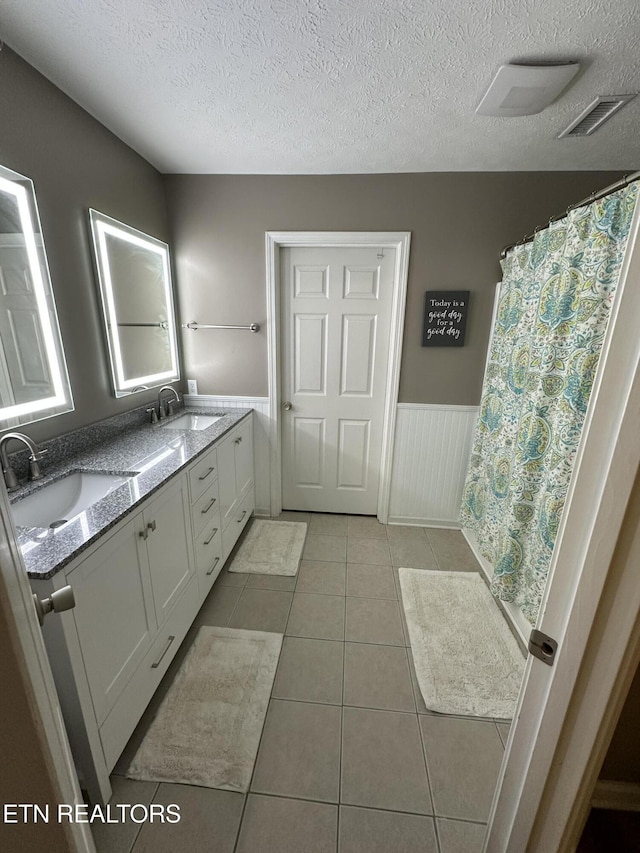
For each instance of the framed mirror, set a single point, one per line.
(137, 300)
(34, 383)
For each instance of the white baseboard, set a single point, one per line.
(620, 796)
(412, 521)
(261, 450)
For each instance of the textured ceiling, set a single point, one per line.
(334, 86)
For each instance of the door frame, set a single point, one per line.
(565, 712)
(276, 240)
(32, 657)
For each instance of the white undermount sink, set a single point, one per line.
(62, 500)
(193, 421)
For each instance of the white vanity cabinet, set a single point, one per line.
(205, 519)
(138, 589)
(235, 478)
(165, 536)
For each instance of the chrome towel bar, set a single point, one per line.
(253, 327)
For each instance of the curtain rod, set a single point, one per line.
(193, 326)
(612, 188)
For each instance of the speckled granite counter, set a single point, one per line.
(149, 455)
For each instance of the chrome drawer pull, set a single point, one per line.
(164, 651)
(207, 508)
(206, 542)
(241, 519)
(213, 567)
(204, 476)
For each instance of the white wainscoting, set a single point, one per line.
(260, 406)
(430, 458)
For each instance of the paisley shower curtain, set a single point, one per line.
(555, 301)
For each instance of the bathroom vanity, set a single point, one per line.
(140, 561)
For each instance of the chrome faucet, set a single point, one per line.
(162, 412)
(35, 456)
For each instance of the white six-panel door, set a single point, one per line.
(336, 310)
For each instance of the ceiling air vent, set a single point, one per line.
(596, 114)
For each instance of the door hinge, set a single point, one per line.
(543, 647)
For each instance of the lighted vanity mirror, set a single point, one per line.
(137, 300)
(33, 376)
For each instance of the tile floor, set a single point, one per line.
(350, 759)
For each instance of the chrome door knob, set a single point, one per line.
(287, 406)
(61, 599)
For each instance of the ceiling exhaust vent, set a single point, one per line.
(596, 114)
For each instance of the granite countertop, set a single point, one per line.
(149, 455)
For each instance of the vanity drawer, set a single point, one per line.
(237, 524)
(208, 548)
(205, 509)
(124, 716)
(202, 475)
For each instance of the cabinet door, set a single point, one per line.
(227, 487)
(167, 529)
(115, 626)
(243, 443)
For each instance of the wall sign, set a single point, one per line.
(445, 318)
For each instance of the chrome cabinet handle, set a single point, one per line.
(207, 508)
(144, 534)
(204, 476)
(238, 440)
(213, 567)
(164, 651)
(207, 541)
(287, 406)
(241, 519)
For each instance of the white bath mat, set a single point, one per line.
(467, 660)
(207, 730)
(271, 548)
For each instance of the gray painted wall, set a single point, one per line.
(459, 223)
(75, 163)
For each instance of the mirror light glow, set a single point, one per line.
(104, 227)
(61, 398)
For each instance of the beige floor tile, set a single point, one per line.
(319, 617)
(278, 825)
(377, 677)
(325, 548)
(457, 836)
(374, 551)
(219, 605)
(382, 765)
(374, 831)
(366, 526)
(373, 620)
(119, 837)
(405, 532)
(451, 550)
(299, 754)
(209, 820)
(367, 581)
(463, 757)
(327, 524)
(320, 577)
(412, 554)
(281, 582)
(310, 671)
(293, 515)
(503, 731)
(227, 578)
(262, 610)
